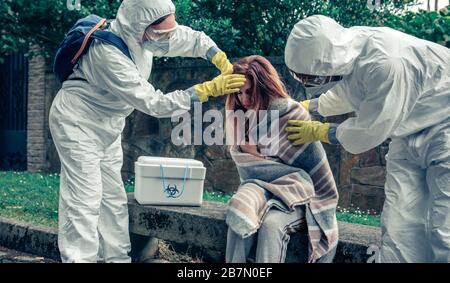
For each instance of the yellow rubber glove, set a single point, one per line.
(220, 85)
(305, 104)
(307, 131)
(222, 63)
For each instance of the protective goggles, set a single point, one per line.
(313, 81)
(159, 34)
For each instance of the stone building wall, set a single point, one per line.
(360, 177)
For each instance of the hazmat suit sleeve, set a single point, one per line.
(380, 111)
(331, 104)
(106, 67)
(186, 42)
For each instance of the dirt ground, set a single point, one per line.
(12, 256)
(165, 254)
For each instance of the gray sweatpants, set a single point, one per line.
(271, 240)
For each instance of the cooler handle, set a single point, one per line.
(171, 191)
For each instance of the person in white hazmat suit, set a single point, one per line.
(88, 115)
(399, 88)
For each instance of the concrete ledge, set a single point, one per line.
(201, 230)
(29, 238)
(204, 229)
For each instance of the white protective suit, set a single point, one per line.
(399, 87)
(86, 121)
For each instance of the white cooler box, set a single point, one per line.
(169, 181)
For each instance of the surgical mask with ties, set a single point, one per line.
(314, 91)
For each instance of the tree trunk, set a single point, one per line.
(436, 5)
(428, 5)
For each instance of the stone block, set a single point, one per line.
(369, 158)
(368, 198)
(38, 154)
(215, 152)
(374, 176)
(223, 175)
(36, 114)
(347, 162)
(345, 196)
(35, 141)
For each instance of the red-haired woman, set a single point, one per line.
(280, 193)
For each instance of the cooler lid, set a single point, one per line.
(167, 161)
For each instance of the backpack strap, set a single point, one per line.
(113, 39)
(101, 23)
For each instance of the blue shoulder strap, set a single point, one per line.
(113, 39)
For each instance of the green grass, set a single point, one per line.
(357, 217)
(30, 197)
(33, 198)
(217, 196)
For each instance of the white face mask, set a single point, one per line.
(312, 92)
(158, 48)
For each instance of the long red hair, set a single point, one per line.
(265, 83)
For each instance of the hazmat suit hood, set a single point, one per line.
(319, 46)
(132, 18)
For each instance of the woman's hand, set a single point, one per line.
(251, 149)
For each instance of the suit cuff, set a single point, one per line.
(332, 134)
(211, 52)
(314, 106)
(193, 95)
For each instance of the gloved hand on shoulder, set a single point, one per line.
(303, 132)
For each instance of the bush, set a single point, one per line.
(262, 27)
(43, 22)
(239, 27)
(432, 26)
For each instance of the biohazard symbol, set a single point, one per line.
(172, 192)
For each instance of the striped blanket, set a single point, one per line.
(295, 175)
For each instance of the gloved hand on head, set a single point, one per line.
(219, 86)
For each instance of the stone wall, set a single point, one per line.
(360, 178)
